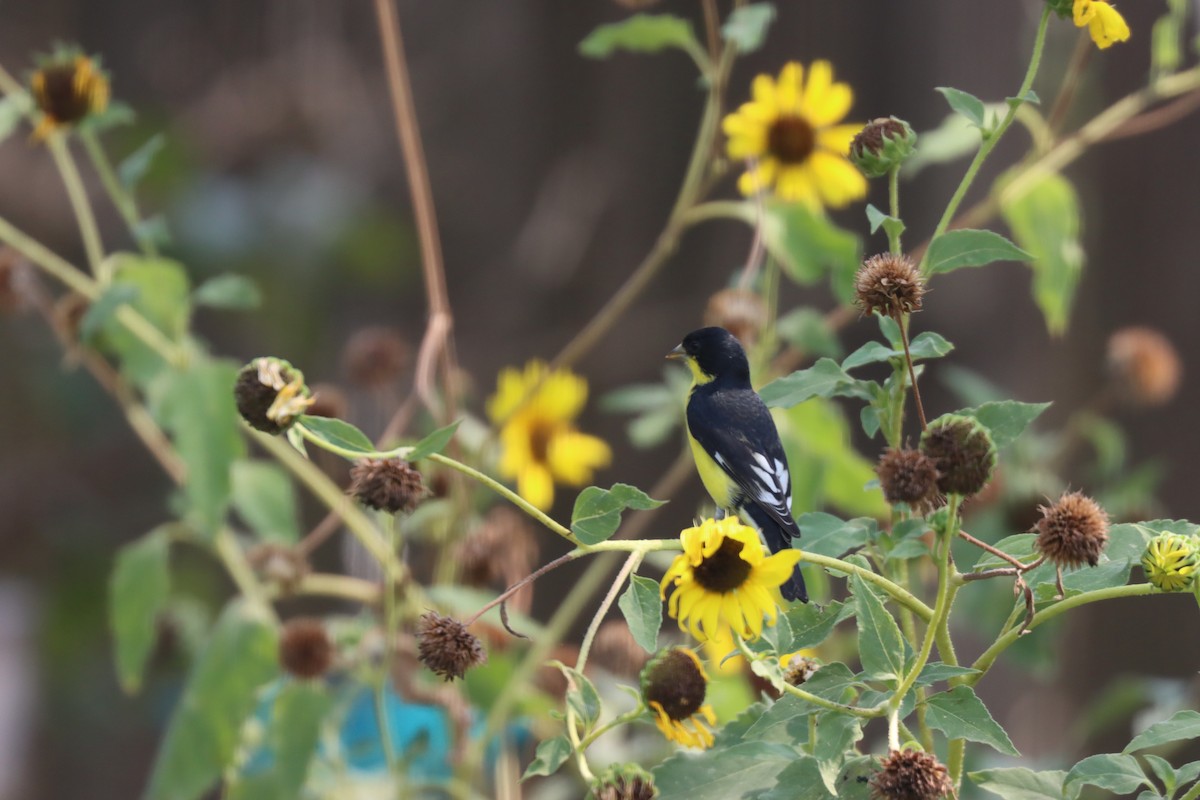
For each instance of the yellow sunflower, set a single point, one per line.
(1104, 23)
(68, 88)
(1170, 561)
(674, 685)
(789, 129)
(536, 408)
(724, 577)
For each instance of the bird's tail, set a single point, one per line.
(793, 588)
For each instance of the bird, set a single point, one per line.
(735, 443)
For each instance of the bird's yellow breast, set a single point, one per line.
(719, 486)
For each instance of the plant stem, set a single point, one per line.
(898, 593)
(993, 137)
(345, 587)
(902, 321)
(865, 713)
(615, 722)
(894, 209)
(630, 566)
(230, 552)
(79, 204)
(124, 201)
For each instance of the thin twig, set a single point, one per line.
(516, 587)
(912, 375)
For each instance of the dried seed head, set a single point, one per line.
(1073, 531)
(617, 651)
(500, 551)
(327, 401)
(910, 775)
(963, 452)
(376, 357)
(305, 649)
(1144, 366)
(910, 477)
(675, 680)
(17, 280)
(624, 782)
(67, 88)
(390, 485)
(446, 647)
(271, 394)
(882, 144)
(798, 669)
(1170, 561)
(739, 311)
(890, 284)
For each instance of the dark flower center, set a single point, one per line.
(61, 97)
(725, 570)
(540, 434)
(677, 684)
(791, 139)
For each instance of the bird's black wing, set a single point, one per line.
(736, 429)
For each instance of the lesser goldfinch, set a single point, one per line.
(735, 443)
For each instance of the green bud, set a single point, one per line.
(882, 145)
(1170, 561)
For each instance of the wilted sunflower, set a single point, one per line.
(536, 409)
(674, 685)
(790, 129)
(68, 87)
(723, 576)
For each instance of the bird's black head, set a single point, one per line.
(714, 353)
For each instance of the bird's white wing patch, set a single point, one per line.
(773, 484)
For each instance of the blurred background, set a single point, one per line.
(552, 175)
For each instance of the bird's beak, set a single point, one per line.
(677, 353)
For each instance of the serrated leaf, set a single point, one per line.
(583, 698)
(924, 346)
(435, 442)
(641, 33)
(138, 591)
(803, 779)
(102, 309)
(834, 682)
(809, 625)
(838, 734)
(292, 735)
(338, 433)
(737, 771)
(1117, 772)
(1020, 546)
(880, 643)
(1005, 419)
(747, 26)
(551, 754)
(823, 379)
(265, 499)
(1184, 725)
(219, 694)
(641, 604)
(1019, 783)
(959, 714)
(597, 513)
(964, 103)
(970, 248)
(1046, 220)
(134, 167)
(228, 291)
(936, 672)
(827, 535)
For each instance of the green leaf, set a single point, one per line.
(1020, 546)
(951, 140)
(435, 442)
(138, 590)
(136, 164)
(810, 625)
(803, 779)
(292, 738)
(834, 682)
(597, 513)
(641, 604)
(551, 754)
(823, 379)
(1019, 783)
(926, 345)
(1005, 419)
(806, 329)
(959, 714)
(338, 433)
(13, 109)
(747, 26)
(101, 311)
(219, 695)
(880, 643)
(808, 245)
(737, 771)
(1163, 771)
(1184, 725)
(641, 33)
(970, 248)
(964, 103)
(826, 535)
(195, 406)
(878, 219)
(228, 291)
(265, 499)
(583, 698)
(937, 672)
(1118, 773)
(1046, 220)
(162, 298)
(785, 721)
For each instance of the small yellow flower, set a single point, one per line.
(1170, 561)
(723, 577)
(536, 409)
(790, 129)
(67, 89)
(1104, 23)
(674, 685)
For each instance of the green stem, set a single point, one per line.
(991, 138)
(898, 593)
(234, 559)
(629, 546)
(344, 587)
(123, 200)
(79, 205)
(616, 722)
(1192, 794)
(865, 713)
(894, 209)
(391, 757)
